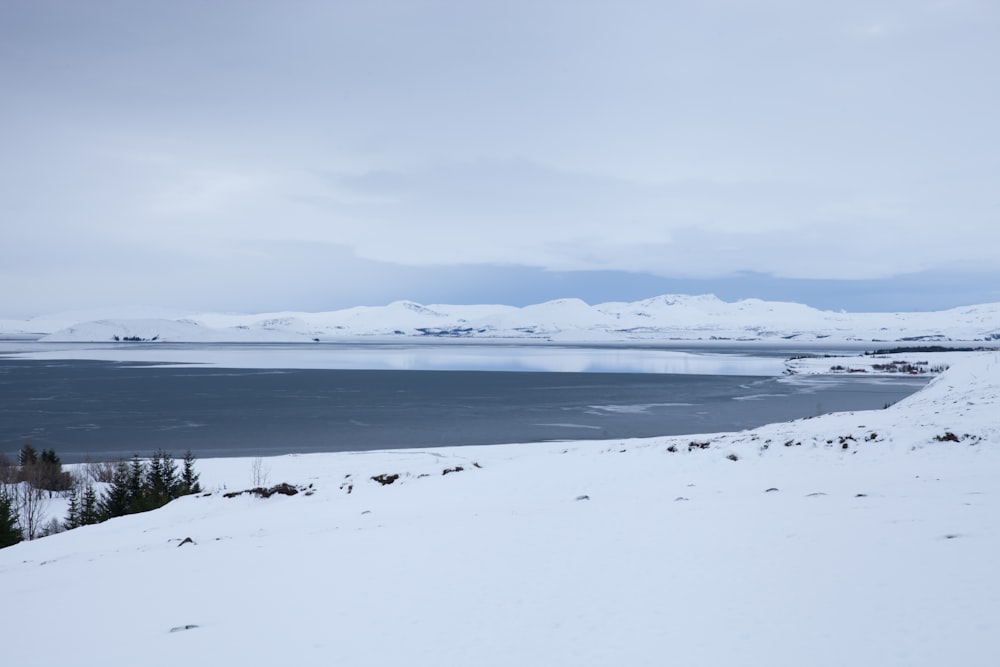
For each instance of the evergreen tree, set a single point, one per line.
(89, 513)
(27, 456)
(136, 476)
(189, 478)
(169, 483)
(161, 480)
(73, 513)
(10, 530)
(139, 487)
(151, 493)
(117, 499)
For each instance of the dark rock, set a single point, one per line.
(284, 489)
(182, 628)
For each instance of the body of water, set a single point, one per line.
(267, 400)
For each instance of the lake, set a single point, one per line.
(109, 401)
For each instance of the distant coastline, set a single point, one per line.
(664, 319)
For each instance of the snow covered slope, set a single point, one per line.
(662, 318)
(860, 539)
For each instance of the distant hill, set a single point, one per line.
(667, 317)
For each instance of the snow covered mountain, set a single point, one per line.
(668, 317)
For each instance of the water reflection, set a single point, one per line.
(493, 357)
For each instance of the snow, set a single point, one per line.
(668, 317)
(801, 551)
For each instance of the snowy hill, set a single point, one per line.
(861, 539)
(668, 317)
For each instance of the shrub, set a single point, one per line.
(10, 531)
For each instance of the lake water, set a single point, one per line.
(110, 401)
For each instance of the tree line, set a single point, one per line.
(129, 487)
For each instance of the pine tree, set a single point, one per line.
(10, 530)
(189, 478)
(139, 487)
(27, 456)
(160, 481)
(136, 476)
(168, 480)
(151, 492)
(73, 513)
(117, 499)
(89, 507)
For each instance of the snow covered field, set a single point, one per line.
(864, 538)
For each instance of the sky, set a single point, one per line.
(242, 155)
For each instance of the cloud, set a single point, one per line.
(418, 141)
(520, 212)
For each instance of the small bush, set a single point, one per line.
(101, 471)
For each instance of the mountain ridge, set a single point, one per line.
(668, 317)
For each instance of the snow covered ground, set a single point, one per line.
(865, 538)
(668, 317)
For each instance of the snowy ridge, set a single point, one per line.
(865, 538)
(668, 317)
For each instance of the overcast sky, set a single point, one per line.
(252, 156)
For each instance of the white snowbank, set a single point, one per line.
(864, 538)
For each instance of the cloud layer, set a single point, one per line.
(323, 153)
